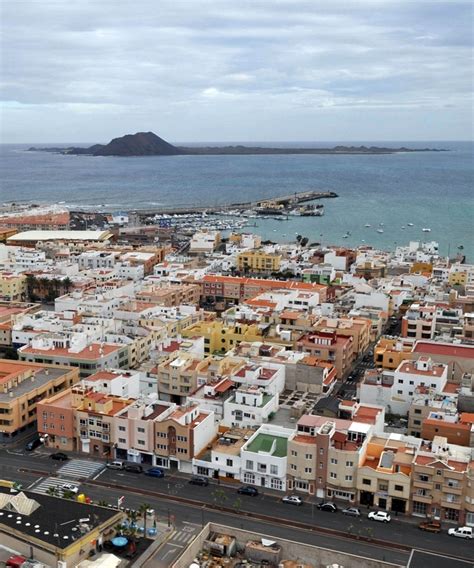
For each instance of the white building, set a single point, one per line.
(249, 406)
(204, 242)
(264, 457)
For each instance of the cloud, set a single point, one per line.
(230, 67)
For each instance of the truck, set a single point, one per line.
(430, 526)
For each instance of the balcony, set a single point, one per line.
(452, 489)
(450, 504)
(422, 484)
(422, 498)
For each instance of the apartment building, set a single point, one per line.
(426, 401)
(22, 387)
(170, 294)
(74, 351)
(419, 322)
(204, 242)
(327, 345)
(220, 338)
(182, 435)
(234, 290)
(357, 328)
(177, 376)
(456, 428)
(459, 357)
(395, 390)
(442, 483)
(258, 261)
(384, 475)
(390, 352)
(13, 287)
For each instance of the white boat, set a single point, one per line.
(381, 224)
(426, 230)
(410, 224)
(367, 225)
(403, 227)
(379, 230)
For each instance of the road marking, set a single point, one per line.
(35, 482)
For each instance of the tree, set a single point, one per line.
(67, 283)
(53, 491)
(144, 510)
(68, 494)
(31, 284)
(219, 497)
(237, 504)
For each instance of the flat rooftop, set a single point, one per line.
(55, 521)
(265, 443)
(42, 375)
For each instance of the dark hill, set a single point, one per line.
(139, 144)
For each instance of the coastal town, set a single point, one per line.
(198, 364)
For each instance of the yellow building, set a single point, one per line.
(389, 353)
(258, 261)
(219, 337)
(458, 278)
(12, 287)
(421, 267)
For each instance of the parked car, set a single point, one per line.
(292, 499)
(33, 444)
(116, 464)
(381, 516)
(430, 526)
(351, 512)
(461, 532)
(248, 490)
(155, 472)
(69, 487)
(327, 506)
(59, 456)
(199, 480)
(133, 467)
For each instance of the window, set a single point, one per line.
(333, 460)
(262, 467)
(321, 465)
(122, 440)
(398, 487)
(348, 478)
(333, 475)
(121, 428)
(321, 451)
(439, 472)
(419, 508)
(293, 467)
(308, 470)
(424, 478)
(383, 486)
(274, 469)
(229, 462)
(451, 514)
(249, 464)
(349, 463)
(438, 486)
(366, 482)
(399, 392)
(308, 456)
(417, 411)
(182, 438)
(141, 442)
(276, 484)
(141, 430)
(249, 478)
(294, 453)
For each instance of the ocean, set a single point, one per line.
(430, 189)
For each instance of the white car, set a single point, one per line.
(292, 499)
(381, 516)
(461, 532)
(70, 487)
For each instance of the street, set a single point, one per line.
(36, 469)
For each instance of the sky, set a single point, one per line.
(236, 70)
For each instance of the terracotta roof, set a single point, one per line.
(465, 351)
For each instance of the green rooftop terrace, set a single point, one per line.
(265, 443)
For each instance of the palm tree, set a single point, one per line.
(67, 283)
(31, 284)
(219, 496)
(143, 510)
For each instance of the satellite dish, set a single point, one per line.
(267, 542)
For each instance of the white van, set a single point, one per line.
(461, 532)
(116, 465)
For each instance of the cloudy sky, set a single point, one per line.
(228, 70)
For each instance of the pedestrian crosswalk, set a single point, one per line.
(77, 469)
(183, 536)
(44, 486)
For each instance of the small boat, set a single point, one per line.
(379, 230)
(367, 225)
(381, 224)
(403, 227)
(426, 230)
(346, 236)
(410, 224)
